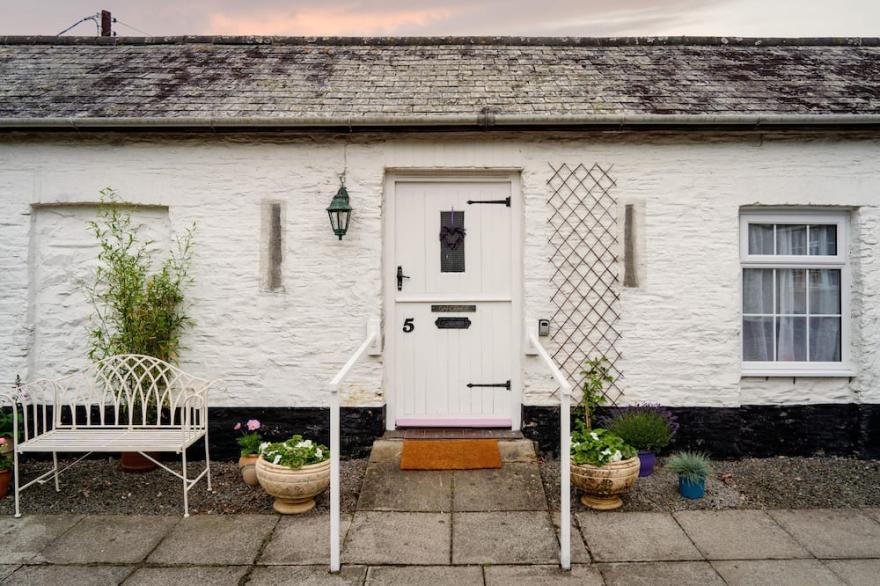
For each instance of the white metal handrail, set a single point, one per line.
(564, 452)
(335, 383)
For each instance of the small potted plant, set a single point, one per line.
(692, 468)
(5, 468)
(294, 472)
(647, 428)
(249, 442)
(603, 467)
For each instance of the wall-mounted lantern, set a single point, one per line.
(340, 212)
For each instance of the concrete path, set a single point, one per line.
(448, 528)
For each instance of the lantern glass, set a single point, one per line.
(340, 212)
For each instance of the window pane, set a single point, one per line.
(760, 238)
(825, 291)
(791, 239)
(791, 291)
(823, 240)
(758, 339)
(791, 339)
(825, 339)
(757, 290)
(452, 242)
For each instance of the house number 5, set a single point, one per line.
(408, 325)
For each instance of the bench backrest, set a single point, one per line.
(128, 390)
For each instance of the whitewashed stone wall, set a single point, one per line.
(681, 327)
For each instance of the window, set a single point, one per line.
(452, 235)
(795, 292)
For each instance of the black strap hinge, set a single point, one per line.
(505, 201)
(506, 385)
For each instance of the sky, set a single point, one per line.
(785, 18)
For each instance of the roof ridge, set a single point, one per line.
(449, 40)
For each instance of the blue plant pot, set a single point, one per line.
(691, 490)
(646, 463)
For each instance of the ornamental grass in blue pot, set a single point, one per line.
(692, 468)
(647, 428)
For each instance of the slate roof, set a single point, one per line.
(266, 81)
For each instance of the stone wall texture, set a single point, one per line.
(681, 326)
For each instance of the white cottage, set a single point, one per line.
(705, 212)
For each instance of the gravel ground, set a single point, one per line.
(99, 487)
(753, 483)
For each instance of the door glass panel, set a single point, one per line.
(452, 235)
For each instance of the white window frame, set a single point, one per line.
(840, 261)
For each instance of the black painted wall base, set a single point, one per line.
(360, 426)
(751, 430)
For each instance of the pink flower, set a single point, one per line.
(2, 441)
(253, 425)
(237, 426)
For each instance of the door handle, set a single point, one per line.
(400, 278)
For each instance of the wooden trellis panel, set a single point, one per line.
(585, 279)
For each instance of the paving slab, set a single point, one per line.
(215, 539)
(581, 575)
(6, 569)
(518, 451)
(776, 572)
(837, 533)
(635, 537)
(425, 576)
(513, 487)
(305, 576)
(25, 537)
(856, 572)
(388, 488)
(738, 535)
(203, 576)
(510, 537)
(78, 575)
(387, 451)
(660, 574)
(302, 540)
(875, 513)
(109, 539)
(579, 553)
(379, 538)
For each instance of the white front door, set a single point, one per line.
(451, 325)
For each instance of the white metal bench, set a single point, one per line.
(125, 403)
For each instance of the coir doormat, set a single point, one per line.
(450, 454)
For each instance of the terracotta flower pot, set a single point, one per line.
(294, 490)
(247, 465)
(5, 478)
(135, 462)
(603, 485)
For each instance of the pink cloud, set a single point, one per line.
(324, 21)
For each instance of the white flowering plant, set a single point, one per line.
(294, 453)
(598, 447)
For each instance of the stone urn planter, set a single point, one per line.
(294, 489)
(247, 465)
(603, 485)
